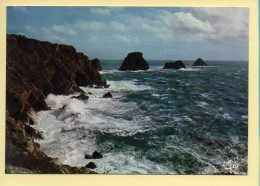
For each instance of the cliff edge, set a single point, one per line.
(35, 69)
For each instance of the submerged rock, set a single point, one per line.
(87, 156)
(91, 165)
(107, 95)
(81, 97)
(97, 155)
(174, 65)
(199, 62)
(96, 64)
(134, 61)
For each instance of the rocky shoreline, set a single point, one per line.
(35, 69)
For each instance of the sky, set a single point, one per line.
(165, 33)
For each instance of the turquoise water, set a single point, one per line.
(188, 121)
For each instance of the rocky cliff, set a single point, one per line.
(35, 69)
(134, 61)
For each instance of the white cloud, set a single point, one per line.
(67, 30)
(90, 25)
(50, 36)
(100, 11)
(229, 23)
(186, 22)
(122, 38)
(117, 26)
(194, 24)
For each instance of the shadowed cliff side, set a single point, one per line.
(34, 70)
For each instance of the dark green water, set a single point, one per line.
(198, 116)
(191, 121)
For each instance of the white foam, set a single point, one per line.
(121, 163)
(110, 71)
(127, 86)
(189, 69)
(182, 118)
(227, 116)
(202, 104)
(244, 117)
(69, 129)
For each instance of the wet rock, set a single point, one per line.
(91, 165)
(134, 61)
(199, 62)
(97, 155)
(35, 69)
(87, 156)
(107, 95)
(174, 65)
(96, 64)
(32, 132)
(81, 97)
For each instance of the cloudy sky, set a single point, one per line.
(160, 33)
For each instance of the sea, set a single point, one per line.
(159, 121)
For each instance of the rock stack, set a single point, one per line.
(174, 65)
(199, 62)
(134, 61)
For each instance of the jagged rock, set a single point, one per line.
(91, 165)
(97, 155)
(134, 61)
(81, 97)
(96, 64)
(107, 95)
(199, 62)
(174, 65)
(35, 69)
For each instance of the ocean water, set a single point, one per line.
(188, 121)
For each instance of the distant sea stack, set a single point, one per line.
(199, 62)
(134, 61)
(35, 69)
(174, 65)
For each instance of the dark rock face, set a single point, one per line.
(35, 69)
(134, 61)
(199, 62)
(96, 64)
(174, 65)
(107, 95)
(91, 165)
(97, 155)
(81, 97)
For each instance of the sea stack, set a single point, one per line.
(174, 65)
(134, 61)
(199, 62)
